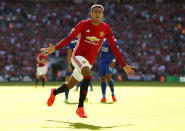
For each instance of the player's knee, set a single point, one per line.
(103, 79)
(71, 82)
(69, 85)
(86, 71)
(109, 77)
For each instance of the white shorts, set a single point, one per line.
(79, 62)
(41, 70)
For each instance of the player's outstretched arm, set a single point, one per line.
(129, 70)
(48, 50)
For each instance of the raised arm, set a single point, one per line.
(113, 46)
(65, 41)
(110, 39)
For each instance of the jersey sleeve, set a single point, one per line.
(70, 37)
(113, 46)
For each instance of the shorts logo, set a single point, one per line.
(83, 62)
(88, 30)
(102, 34)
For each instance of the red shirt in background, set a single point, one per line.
(43, 58)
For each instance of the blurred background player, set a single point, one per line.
(106, 64)
(42, 68)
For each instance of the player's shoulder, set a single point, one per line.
(105, 24)
(85, 21)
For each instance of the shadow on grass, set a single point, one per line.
(78, 125)
(71, 103)
(107, 103)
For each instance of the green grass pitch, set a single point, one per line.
(139, 108)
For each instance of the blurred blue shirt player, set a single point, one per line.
(106, 64)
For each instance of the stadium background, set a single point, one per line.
(151, 36)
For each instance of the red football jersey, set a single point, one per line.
(91, 40)
(42, 57)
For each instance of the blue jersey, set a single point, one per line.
(72, 44)
(106, 54)
(106, 57)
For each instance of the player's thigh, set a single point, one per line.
(109, 77)
(101, 71)
(81, 65)
(86, 71)
(77, 74)
(37, 76)
(103, 78)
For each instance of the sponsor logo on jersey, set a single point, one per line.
(102, 34)
(93, 38)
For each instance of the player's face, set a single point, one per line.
(96, 14)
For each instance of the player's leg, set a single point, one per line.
(111, 85)
(64, 87)
(66, 96)
(87, 74)
(37, 80)
(43, 73)
(102, 79)
(67, 91)
(103, 88)
(77, 86)
(43, 80)
(84, 73)
(91, 86)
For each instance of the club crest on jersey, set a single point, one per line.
(92, 38)
(102, 34)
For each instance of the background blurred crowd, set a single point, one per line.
(151, 36)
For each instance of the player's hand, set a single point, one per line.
(129, 70)
(48, 50)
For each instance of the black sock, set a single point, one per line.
(43, 81)
(36, 81)
(83, 91)
(60, 89)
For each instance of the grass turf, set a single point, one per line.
(138, 109)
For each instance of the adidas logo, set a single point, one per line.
(88, 30)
